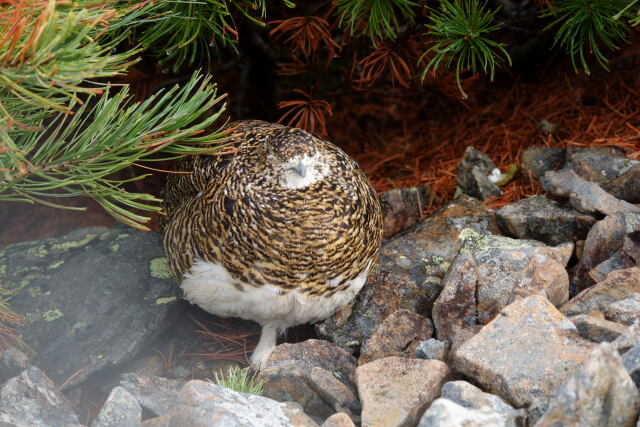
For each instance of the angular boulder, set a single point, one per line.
(525, 352)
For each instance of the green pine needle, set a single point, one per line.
(239, 380)
(379, 19)
(460, 30)
(585, 25)
(76, 155)
(188, 31)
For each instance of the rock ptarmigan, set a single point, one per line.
(283, 231)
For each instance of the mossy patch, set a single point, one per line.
(486, 243)
(51, 315)
(3, 269)
(40, 251)
(63, 246)
(159, 268)
(165, 300)
(55, 264)
(114, 246)
(34, 291)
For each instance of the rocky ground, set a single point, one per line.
(526, 315)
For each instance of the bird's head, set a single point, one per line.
(297, 159)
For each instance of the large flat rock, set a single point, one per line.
(525, 352)
(91, 298)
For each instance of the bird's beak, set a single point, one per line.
(301, 169)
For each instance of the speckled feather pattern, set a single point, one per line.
(232, 211)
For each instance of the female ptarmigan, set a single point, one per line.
(284, 231)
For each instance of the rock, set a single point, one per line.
(12, 362)
(629, 338)
(162, 421)
(489, 273)
(525, 352)
(598, 164)
(398, 335)
(537, 160)
(471, 397)
(537, 409)
(402, 208)
(120, 410)
(627, 185)
(618, 285)
(432, 349)
(540, 218)
(625, 311)
(445, 413)
(289, 367)
(395, 391)
(338, 420)
(608, 167)
(155, 394)
(475, 175)
(599, 393)
(631, 361)
(409, 272)
(340, 396)
(547, 128)
(202, 403)
(32, 400)
(612, 244)
(596, 329)
(584, 195)
(92, 298)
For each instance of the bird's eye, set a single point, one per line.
(300, 169)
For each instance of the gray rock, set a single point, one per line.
(537, 409)
(470, 396)
(395, 391)
(338, 420)
(162, 421)
(631, 361)
(489, 273)
(611, 244)
(540, 218)
(585, 196)
(432, 349)
(599, 393)
(597, 329)
(202, 403)
(598, 164)
(525, 352)
(625, 311)
(32, 400)
(618, 285)
(402, 208)
(340, 396)
(92, 298)
(537, 160)
(289, 367)
(409, 272)
(446, 413)
(12, 362)
(608, 167)
(155, 394)
(398, 335)
(627, 185)
(120, 410)
(629, 338)
(473, 175)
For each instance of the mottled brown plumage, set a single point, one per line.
(287, 214)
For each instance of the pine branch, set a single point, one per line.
(583, 25)
(48, 49)
(378, 19)
(460, 31)
(188, 31)
(76, 154)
